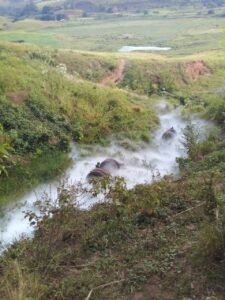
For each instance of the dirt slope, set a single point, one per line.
(117, 75)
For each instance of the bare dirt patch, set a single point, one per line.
(117, 75)
(154, 290)
(17, 97)
(195, 69)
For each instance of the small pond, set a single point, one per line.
(126, 49)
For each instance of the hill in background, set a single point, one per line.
(51, 9)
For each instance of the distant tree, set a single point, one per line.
(47, 17)
(101, 8)
(60, 17)
(84, 14)
(110, 10)
(213, 3)
(29, 10)
(46, 10)
(211, 12)
(69, 4)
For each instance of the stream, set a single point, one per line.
(140, 166)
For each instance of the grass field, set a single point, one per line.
(186, 33)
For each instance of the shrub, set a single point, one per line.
(211, 242)
(216, 111)
(6, 159)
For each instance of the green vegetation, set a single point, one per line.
(164, 239)
(5, 153)
(195, 81)
(58, 9)
(167, 237)
(43, 108)
(40, 94)
(30, 170)
(186, 32)
(155, 235)
(85, 65)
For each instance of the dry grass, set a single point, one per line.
(22, 285)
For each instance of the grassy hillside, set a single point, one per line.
(43, 108)
(166, 239)
(195, 81)
(134, 4)
(55, 97)
(104, 5)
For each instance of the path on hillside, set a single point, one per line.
(117, 75)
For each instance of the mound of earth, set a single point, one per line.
(17, 97)
(195, 69)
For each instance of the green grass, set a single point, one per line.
(80, 110)
(96, 111)
(144, 240)
(167, 238)
(147, 74)
(186, 34)
(42, 39)
(42, 111)
(31, 171)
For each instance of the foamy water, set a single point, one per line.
(140, 166)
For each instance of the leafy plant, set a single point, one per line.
(6, 159)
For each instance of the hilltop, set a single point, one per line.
(24, 8)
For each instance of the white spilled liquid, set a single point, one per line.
(127, 49)
(140, 166)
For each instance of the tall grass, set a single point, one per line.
(22, 284)
(30, 171)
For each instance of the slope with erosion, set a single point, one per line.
(42, 112)
(116, 75)
(195, 80)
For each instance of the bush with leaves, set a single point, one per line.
(5, 153)
(211, 244)
(32, 126)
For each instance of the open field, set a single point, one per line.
(185, 33)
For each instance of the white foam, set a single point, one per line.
(159, 156)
